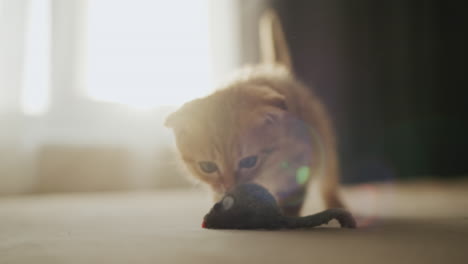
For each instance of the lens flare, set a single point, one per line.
(302, 175)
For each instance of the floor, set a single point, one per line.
(425, 222)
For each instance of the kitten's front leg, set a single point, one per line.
(291, 203)
(329, 181)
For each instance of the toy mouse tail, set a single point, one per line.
(344, 217)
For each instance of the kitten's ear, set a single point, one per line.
(172, 120)
(273, 98)
(278, 101)
(181, 116)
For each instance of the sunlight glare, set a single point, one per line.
(35, 90)
(148, 53)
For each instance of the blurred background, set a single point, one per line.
(85, 85)
(392, 75)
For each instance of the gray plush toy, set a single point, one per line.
(250, 206)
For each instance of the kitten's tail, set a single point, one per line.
(273, 46)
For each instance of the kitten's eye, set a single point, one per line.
(248, 162)
(207, 166)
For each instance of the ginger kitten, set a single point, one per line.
(264, 127)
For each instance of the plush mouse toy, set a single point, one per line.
(250, 206)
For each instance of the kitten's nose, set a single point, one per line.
(227, 185)
(228, 188)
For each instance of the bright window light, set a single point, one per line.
(147, 53)
(35, 91)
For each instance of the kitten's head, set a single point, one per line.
(227, 137)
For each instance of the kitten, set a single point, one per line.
(265, 127)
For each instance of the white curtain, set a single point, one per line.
(13, 158)
(57, 133)
(83, 84)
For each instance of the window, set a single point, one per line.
(36, 81)
(147, 53)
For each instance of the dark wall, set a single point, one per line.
(392, 74)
